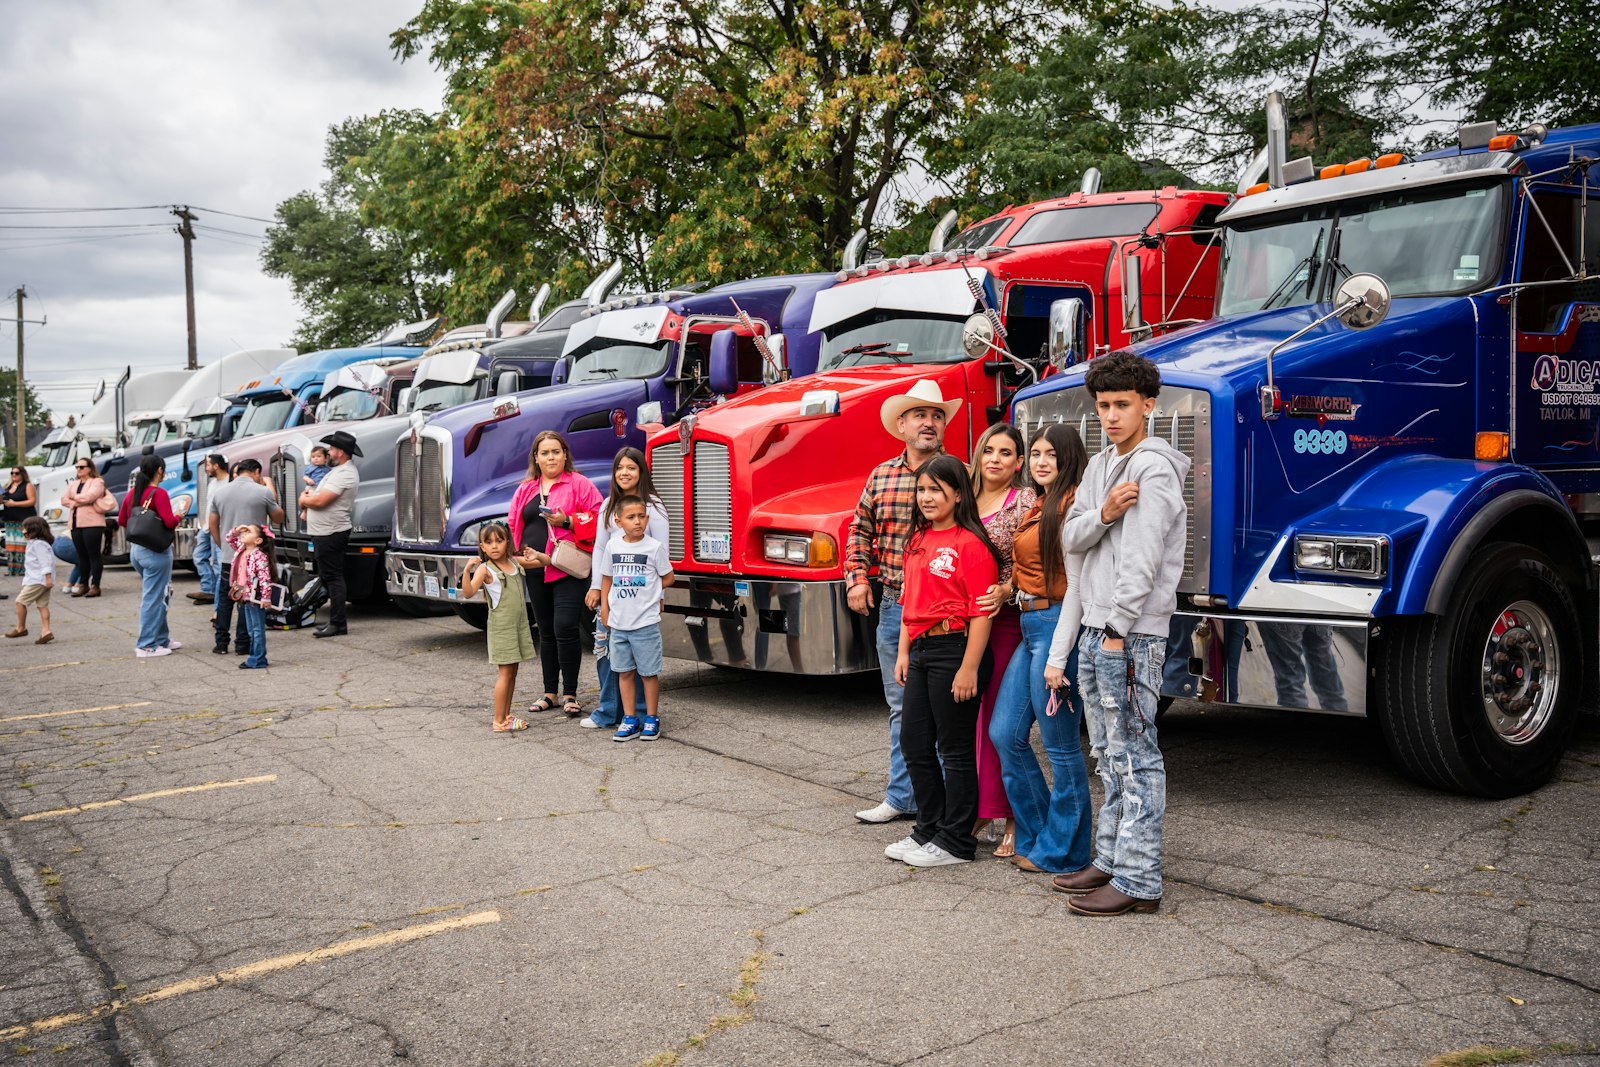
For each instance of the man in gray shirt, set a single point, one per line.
(330, 515)
(246, 501)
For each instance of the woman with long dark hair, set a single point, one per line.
(553, 504)
(1052, 821)
(630, 476)
(18, 502)
(87, 523)
(152, 565)
(944, 662)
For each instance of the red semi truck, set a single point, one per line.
(760, 491)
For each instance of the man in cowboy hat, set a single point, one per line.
(330, 514)
(878, 535)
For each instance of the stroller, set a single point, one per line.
(295, 609)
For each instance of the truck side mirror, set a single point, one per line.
(408, 400)
(724, 362)
(1067, 320)
(559, 372)
(1132, 297)
(1362, 300)
(779, 347)
(507, 382)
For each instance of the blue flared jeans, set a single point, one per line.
(155, 574)
(1052, 820)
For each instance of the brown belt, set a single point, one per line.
(940, 629)
(1036, 604)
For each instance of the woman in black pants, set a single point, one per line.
(88, 523)
(555, 503)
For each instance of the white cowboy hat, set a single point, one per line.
(924, 394)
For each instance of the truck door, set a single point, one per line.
(1556, 329)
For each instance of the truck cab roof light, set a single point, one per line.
(1390, 159)
(1356, 166)
(1507, 142)
(1332, 170)
(1258, 187)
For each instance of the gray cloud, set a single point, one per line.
(220, 104)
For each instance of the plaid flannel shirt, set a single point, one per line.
(882, 526)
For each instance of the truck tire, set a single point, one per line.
(1483, 699)
(475, 615)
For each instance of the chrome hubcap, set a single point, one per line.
(1521, 669)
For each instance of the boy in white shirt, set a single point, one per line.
(38, 578)
(633, 572)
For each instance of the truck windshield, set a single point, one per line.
(436, 396)
(983, 233)
(616, 359)
(55, 455)
(202, 426)
(1431, 242)
(147, 432)
(265, 414)
(348, 405)
(886, 337)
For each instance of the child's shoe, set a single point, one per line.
(652, 728)
(628, 730)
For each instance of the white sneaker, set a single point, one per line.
(902, 848)
(147, 653)
(174, 645)
(589, 724)
(885, 812)
(931, 855)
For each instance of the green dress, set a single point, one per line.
(510, 640)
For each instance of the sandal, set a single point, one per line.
(544, 703)
(511, 725)
(1008, 843)
(571, 706)
(14, 632)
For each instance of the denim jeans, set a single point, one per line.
(222, 604)
(609, 712)
(155, 574)
(207, 562)
(255, 623)
(899, 793)
(1122, 737)
(1052, 821)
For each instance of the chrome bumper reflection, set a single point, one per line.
(786, 627)
(1269, 662)
(183, 539)
(425, 575)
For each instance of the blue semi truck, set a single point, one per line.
(1394, 420)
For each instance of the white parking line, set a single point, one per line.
(75, 711)
(158, 794)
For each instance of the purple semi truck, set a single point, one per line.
(651, 358)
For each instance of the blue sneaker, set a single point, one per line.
(652, 728)
(628, 730)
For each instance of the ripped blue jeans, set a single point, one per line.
(1122, 739)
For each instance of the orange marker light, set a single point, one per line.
(1356, 166)
(1390, 160)
(1332, 170)
(1492, 446)
(1506, 142)
(1258, 187)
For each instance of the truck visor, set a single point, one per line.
(934, 292)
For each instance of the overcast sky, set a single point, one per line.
(222, 105)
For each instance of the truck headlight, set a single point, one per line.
(1359, 557)
(800, 550)
(471, 535)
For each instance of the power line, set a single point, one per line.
(231, 214)
(236, 233)
(85, 226)
(87, 239)
(76, 210)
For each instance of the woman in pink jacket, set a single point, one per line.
(555, 503)
(88, 524)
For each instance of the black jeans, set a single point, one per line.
(558, 607)
(938, 737)
(330, 568)
(223, 605)
(89, 540)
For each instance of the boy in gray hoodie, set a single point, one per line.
(1129, 522)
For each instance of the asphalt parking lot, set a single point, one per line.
(335, 862)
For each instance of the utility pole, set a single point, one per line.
(22, 392)
(186, 231)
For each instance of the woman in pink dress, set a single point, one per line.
(1002, 501)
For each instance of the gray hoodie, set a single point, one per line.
(1130, 572)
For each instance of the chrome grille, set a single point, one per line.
(666, 471)
(713, 496)
(431, 492)
(405, 491)
(1183, 420)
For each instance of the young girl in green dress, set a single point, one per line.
(499, 575)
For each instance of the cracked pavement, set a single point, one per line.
(709, 896)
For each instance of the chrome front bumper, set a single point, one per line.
(426, 575)
(785, 627)
(1270, 662)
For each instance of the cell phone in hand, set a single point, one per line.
(544, 510)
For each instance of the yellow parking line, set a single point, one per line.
(48, 666)
(253, 970)
(158, 794)
(75, 711)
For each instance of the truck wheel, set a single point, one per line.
(476, 615)
(1483, 699)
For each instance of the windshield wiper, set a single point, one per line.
(874, 348)
(1309, 263)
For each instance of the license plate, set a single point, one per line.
(430, 587)
(715, 546)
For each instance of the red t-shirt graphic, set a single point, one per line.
(946, 572)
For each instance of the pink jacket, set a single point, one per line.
(571, 493)
(84, 514)
(251, 571)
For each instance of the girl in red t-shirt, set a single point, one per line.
(944, 662)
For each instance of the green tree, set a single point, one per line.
(1513, 63)
(351, 278)
(37, 414)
